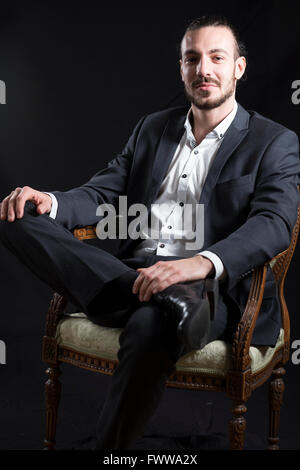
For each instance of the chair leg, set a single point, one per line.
(237, 426)
(52, 397)
(276, 389)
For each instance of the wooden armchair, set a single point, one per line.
(237, 369)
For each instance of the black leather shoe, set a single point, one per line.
(193, 305)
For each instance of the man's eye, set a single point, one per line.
(189, 60)
(218, 58)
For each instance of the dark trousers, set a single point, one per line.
(89, 276)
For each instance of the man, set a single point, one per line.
(241, 166)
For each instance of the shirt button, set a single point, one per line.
(196, 152)
(161, 245)
(184, 175)
(181, 204)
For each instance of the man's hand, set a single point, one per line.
(166, 273)
(12, 206)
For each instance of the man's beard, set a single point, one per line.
(197, 101)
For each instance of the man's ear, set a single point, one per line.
(180, 66)
(240, 67)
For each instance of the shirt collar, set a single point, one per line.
(218, 131)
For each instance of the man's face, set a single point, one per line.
(209, 66)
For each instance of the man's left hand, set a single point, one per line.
(166, 273)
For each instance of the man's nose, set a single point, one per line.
(203, 68)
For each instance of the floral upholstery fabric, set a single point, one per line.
(77, 332)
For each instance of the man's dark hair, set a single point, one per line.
(209, 20)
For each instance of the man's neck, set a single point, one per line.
(205, 120)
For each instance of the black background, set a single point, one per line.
(78, 79)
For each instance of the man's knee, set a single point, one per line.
(11, 232)
(6, 230)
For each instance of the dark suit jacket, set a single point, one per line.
(250, 197)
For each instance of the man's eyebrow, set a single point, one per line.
(190, 51)
(212, 51)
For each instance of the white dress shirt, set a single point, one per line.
(182, 185)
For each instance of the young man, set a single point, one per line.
(241, 166)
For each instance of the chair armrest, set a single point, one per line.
(55, 312)
(85, 233)
(279, 265)
(244, 331)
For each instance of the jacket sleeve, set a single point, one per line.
(273, 212)
(77, 207)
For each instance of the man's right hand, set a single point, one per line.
(12, 206)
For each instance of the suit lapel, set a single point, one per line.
(171, 138)
(233, 137)
(166, 150)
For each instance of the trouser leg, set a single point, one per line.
(148, 353)
(149, 350)
(78, 271)
(72, 268)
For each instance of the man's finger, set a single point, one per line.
(146, 291)
(143, 281)
(156, 285)
(42, 208)
(11, 212)
(19, 207)
(137, 283)
(26, 194)
(146, 287)
(44, 204)
(3, 210)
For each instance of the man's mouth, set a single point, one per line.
(205, 85)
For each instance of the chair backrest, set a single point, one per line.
(280, 265)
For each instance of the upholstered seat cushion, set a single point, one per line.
(78, 333)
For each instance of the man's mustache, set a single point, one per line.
(201, 80)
